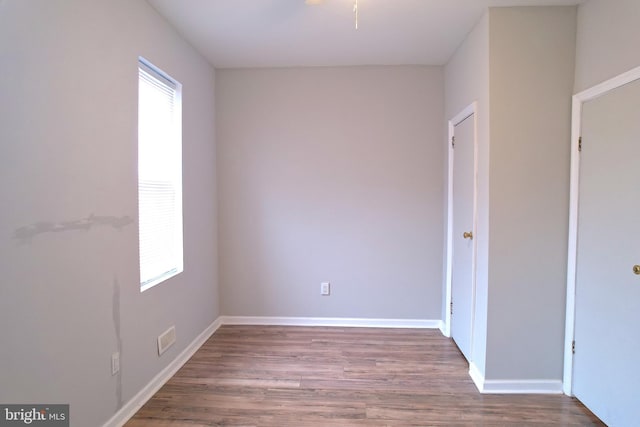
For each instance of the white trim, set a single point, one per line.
(331, 321)
(470, 110)
(137, 401)
(576, 125)
(613, 83)
(513, 386)
(484, 386)
(522, 387)
(476, 376)
(449, 238)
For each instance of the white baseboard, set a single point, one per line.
(443, 329)
(135, 403)
(332, 321)
(476, 376)
(483, 385)
(523, 386)
(513, 386)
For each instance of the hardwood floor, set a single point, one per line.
(325, 377)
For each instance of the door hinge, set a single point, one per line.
(451, 308)
(580, 144)
(453, 142)
(573, 347)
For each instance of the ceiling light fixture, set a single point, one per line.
(355, 7)
(355, 11)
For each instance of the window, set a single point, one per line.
(159, 175)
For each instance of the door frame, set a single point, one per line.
(574, 191)
(470, 110)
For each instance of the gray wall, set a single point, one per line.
(467, 81)
(325, 174)
(68, 134)
(518, 65)
(331, 174)
(531, 79)
(607, 41)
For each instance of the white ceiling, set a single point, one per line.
(284, 33)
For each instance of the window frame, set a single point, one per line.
(175, 169)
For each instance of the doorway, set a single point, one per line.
(461, 246)
(603, 288)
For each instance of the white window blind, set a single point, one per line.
(159, 175)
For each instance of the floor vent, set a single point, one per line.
(166, 340)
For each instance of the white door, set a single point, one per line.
(607, 321)
(462, 291)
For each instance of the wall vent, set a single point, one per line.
(166, 340)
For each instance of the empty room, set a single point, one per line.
(319, 212)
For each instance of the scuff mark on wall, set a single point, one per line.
(115, 309)
(28, 232)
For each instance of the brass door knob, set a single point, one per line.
(636, 269)
(469, 235)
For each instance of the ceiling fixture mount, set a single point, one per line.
(355, 8)
(355, 11)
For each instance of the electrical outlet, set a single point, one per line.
(325, 288)
(115, 363)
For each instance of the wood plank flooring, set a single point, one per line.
(326, 377)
